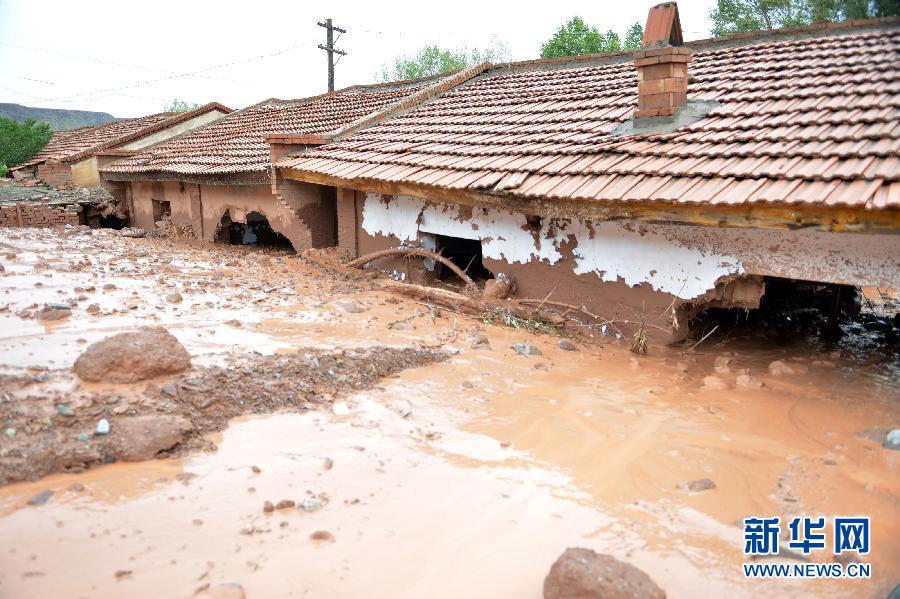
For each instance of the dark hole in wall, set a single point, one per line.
(793, 311)
(91, 217)
(162, 210)
(256, 231)
(112, 222)
(466, 254)
(534, 222)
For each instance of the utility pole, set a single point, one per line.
(329, 47)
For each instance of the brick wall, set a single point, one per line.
(315, 205)
(55, 172)
(29, 214)
(347, 222)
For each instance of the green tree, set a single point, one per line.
(433, 60)
(21, 141)
(739, 16)
(634, 38)
(576, 38)
(177, 105)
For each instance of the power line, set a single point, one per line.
(96, 94)
(329, 47)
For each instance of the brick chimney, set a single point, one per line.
(662, 64)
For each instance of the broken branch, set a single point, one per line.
(363, 260)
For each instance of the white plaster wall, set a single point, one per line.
(685, 261)
(168, 132)
(610, 251)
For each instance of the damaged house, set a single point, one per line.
(75, 156)
(216, 181)
(644, 187)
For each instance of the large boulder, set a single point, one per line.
(135, 356)
(140, 438)
(585, 574)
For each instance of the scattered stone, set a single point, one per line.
(310, 504)
(268, 507)
(53, 312)
(498, 288)
(322, 536)
(64, 410)
(140, 438)
(41, 498)
(247, 529)
(780, 368)
(76, 487)
(174, 298)
(585, 574)
(892, 440)
(713, 383)
(169, 389)
(480, 341)
(83, 437)
(285, 504)
(452, 350)
(131, 357)
(256, 469)
(526, 349)
(10, 432)
(746, 381)
(132, 232)
(102, 427)
(349, 305)
(567, 345)
(328, 464)
(93, 309)
(120, 574)
(696, 486)
(231, 590)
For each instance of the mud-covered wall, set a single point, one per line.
(306, 217)
(85, 173)
(625, 269)
(54, 172)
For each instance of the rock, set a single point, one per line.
(247, 529)
(567, 345)
(132, 232)
(499, 288)
(256, 469)
(480, 341)
(310, 504)
(140, 438)
(322, 536)
(41, 498)
(349, 305)
(585, 574)
(451, 350)
(748, 382)
(713, 383)
(63, 410)
(268, 507)
(526, 349)
(54, 312)
(285, 504)
(130, 357)
(76, 487)
(779, 368)
(102, 427)
(174, 298)
(10, 432)
(696, 486)
(169, 389)
(327, 464)
(232, 590)
(892, 440)
(93, 309)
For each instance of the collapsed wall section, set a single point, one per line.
(31, 214)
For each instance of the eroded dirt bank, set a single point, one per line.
(466, 477)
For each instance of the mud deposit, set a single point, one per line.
(334, 440)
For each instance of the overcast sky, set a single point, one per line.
(130, 57)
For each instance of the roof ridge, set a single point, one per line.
(745, 38)
(174, 119)
(443, 84)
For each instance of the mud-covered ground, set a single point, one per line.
(405, 450)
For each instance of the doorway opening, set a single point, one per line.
(256, 231)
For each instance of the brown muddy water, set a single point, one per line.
(459, 479)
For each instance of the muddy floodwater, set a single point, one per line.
(465, 477)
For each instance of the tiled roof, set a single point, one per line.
(811, 118)
(74, 145)
(237, 143)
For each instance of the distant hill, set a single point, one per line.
(60, 119)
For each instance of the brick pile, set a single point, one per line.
(30, 214)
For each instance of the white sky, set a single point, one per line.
(59, 53)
